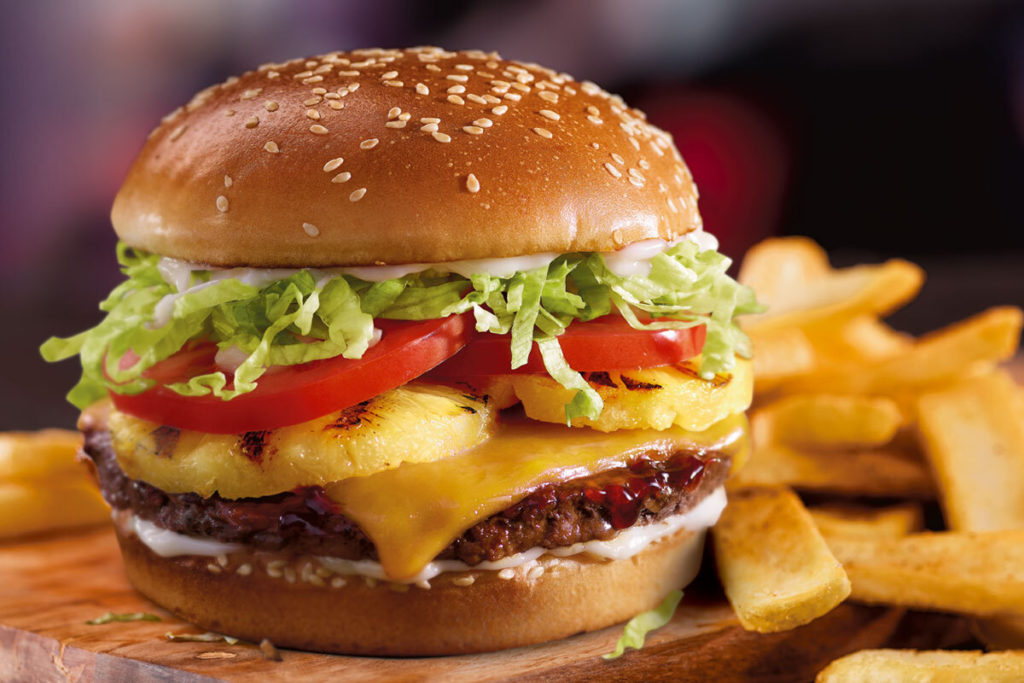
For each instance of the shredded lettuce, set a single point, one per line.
(635, 632)
(308, 316)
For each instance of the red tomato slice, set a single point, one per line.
(603, 344)
(292, 394)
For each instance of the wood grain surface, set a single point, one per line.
(49, 588)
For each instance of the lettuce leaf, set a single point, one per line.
(309, 315)
(635, 632)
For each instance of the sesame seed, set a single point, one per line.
(636, 174)
(369, 143)
(176, 133)
(388, 75)
(591, 109)
(456, 89)
(313, 100)
(312, 79)
(430, 119)
(311, 229)
(352, 87)
(483, 123)
(515, 97)
(548, 114)
(441, 137)
(244, 570)
(636, 181)
(422, 89)
(490, 99)
(516, 69)
(464, 67)
(357, 195)
(618, 158)
(271, 147)
(404, 116)
(424, 584)
(506, 573)
(395, 124)
(333, 164)
(476, 98)
(500, 109)
(433, 67)
(429, 128)
(505, 85)
(611, 169)
(535, 572)
(348, 73)
(332, 96)
(334, 104)
(473, 130)
(229, 112)
(455, 99)
(318, 129)
(222, 203)
(463, 581)
(549, 96)
(228, 181)
(595, 145)
(270, 105)
(320, 91)
(472, 184)
(337, 582)
(313, 114)
(462, 78)
(394, 84)
(273, 74)
(249, 94)
(303, 74)
(394, 112)
(543, 132)
(342, 177)
(484, 74)
(325, 68)
(212, 568)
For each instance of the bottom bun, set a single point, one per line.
(459, 613)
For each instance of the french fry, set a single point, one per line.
(980, 573)
(882, 472)
(974, 438)
(780, 355)
(775, 567)
(822, 421)
(851, 520)
(841, 295)
(60, 503)
(935, 359)
(775, 267)
(859, 339)
(28, 455)
(897, 666)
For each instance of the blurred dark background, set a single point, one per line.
(878, 127)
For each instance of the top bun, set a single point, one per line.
(379, 157)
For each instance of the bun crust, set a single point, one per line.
(572, 595)
(446, 156)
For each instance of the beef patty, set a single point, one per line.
(306, 521)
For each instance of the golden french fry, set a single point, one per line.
(823, 421)
(980, 573)
(58, 503)
(775, 567)
(851, 520)
(28, 455)
(885, 472)
(776, 266)
(899, 666)
(974, 438)
(779, 355)
(935, 359)
(841, 295)
(862, 338)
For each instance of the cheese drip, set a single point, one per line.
(413, 512)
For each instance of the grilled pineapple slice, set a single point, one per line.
(416, 422)
(656, 398)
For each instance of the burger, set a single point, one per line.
(417, 352)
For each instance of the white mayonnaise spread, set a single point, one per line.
(625, 544)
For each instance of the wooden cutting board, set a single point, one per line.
(50, 587)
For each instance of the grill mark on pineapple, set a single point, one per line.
(468, 409)
(636, 385)
(716, 381)
(350, 417)
(165, 438)
(253, 444)
(601, 379)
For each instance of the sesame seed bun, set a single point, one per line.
(401, 156)
(460, 612)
